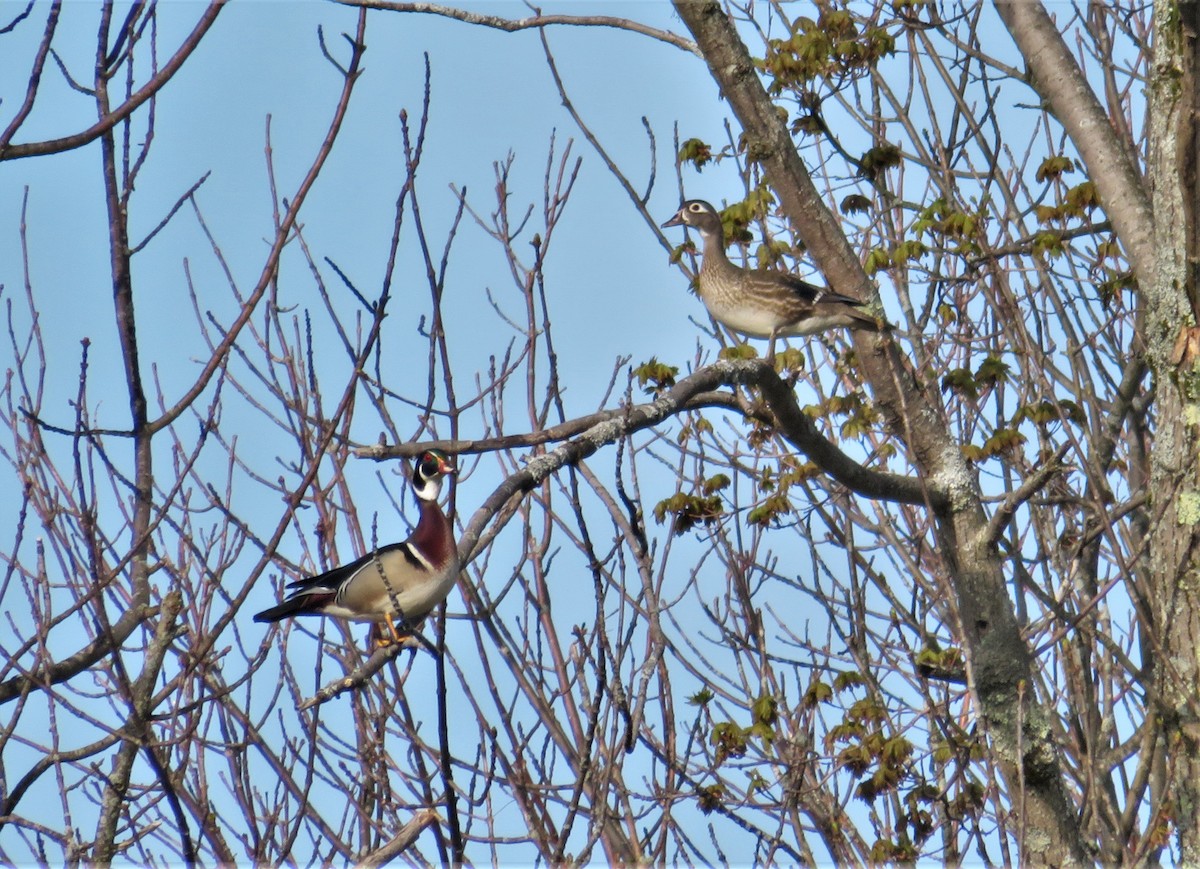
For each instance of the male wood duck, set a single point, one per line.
(418, 572)
(763, 303)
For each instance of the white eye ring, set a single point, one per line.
(696, 206)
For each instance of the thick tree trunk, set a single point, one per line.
(998, 657)
(1170, 292)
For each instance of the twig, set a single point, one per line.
(694, 394)
(188, 194)
(359, 675)
(793, 422)
(1032, 485)
(127, 108)
(35, 74)
(396, 846)
(511, 25)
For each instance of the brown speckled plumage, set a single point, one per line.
(763, 303)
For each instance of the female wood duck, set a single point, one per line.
(418, 572)
(763, 303)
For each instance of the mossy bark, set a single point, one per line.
(1171, 298)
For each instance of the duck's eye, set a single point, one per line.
(429, 466)
(696, 207)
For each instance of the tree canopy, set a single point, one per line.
(929, 593)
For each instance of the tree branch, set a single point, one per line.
(219, 356)
(795, 425)
(358, 676)
(35, 74)
(511, 25)
(127, 108)
(695, 392)
(399, 843)
(1000, 659)
(1032, 485)
(1058, 79)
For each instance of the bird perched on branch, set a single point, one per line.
(401, 582)
(763, 303)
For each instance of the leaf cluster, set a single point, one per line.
(730, 739)
(654, 376)
(970, 385)
(836, 45)
(689, 509)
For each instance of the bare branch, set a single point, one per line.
(1060, 81)
(1033, 484)
(539, 21)
(403, 839)
(35, 74)
(128, 107)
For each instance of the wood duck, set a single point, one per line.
(399, 582)
(763, 303)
